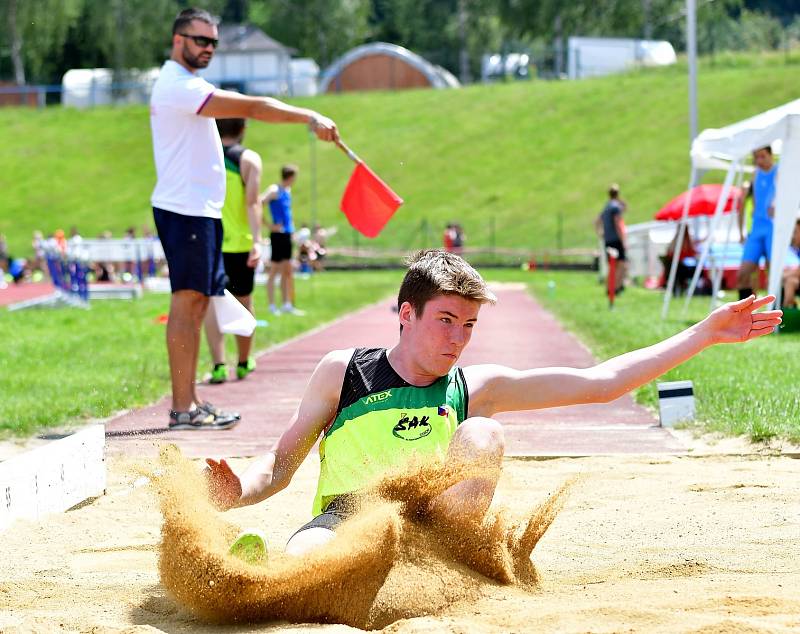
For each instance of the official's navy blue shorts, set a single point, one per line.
(193, 247)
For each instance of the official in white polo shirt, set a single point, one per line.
(189, 194)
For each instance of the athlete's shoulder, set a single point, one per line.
(270, 193)
(328, 377)
(335, 362)
(251, 158)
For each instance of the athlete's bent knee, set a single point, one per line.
(483, 434)
(307, 540)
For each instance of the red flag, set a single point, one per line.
(368, 202)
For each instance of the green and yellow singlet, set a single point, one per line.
(236, 234)
(382, 422)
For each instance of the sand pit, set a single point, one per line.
(390, 561)
(667, 544)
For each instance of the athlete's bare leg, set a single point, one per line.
(479, 443)
(273, 271)
(309, 539)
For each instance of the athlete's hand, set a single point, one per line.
(738, 321)
(255, 255)
(224, 486)
(324, 128)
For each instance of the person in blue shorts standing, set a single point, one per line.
(759, 240)
(279, 198)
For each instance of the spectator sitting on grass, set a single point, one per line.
(320, 238)
(103, 271)
(306, 256)
(687, 260)
(791, 274)
(19, 270)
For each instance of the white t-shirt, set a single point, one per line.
(190, 167)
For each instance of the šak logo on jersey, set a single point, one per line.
(376, 398)
(412, 427)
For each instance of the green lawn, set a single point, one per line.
(507, 160)
(61, 366)
(740, 389)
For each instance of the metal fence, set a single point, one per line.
(100, 91)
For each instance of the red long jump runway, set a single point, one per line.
(14, 293)
(517, 332)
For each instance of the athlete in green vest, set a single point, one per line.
(241, 242)
(375, 409)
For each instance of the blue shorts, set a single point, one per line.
(758, 244)
(193, 247)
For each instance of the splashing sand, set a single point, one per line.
(388, 562)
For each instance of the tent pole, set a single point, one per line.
(673, 269)
(719, 271)
(313, 152)
(723, 197)
(787, 200)
(691, 54)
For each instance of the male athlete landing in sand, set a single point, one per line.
(377, 408)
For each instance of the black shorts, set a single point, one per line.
(617, 244)
(281, 244)
(339, 509)
(240, 276)
(193, 248)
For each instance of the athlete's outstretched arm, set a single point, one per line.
(272, 472)
(495, 388)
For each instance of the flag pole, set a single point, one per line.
(351, 155)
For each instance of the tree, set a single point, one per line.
(15, 42)
(126, 34)
(130, 33)
(548, 18)
(322, 29)
(35, 33)
(445, 32)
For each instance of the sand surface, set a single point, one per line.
(642, 544)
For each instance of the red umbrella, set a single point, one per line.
(703, 202)
(367, 201)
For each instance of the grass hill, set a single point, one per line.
(504, 160)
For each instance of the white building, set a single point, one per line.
(247, 60)
(250, 61)
(596, 56)
(88, 87)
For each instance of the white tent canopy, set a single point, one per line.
(728, 148)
